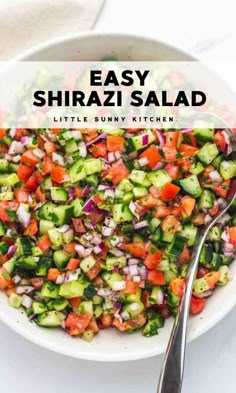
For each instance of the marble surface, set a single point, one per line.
(210, 34)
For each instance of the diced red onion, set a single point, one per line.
(87, 236)
(96, 240)
(15, 148)
(141, 224)
(69, 159)
(65, 228)
(143, 272)
(97, 249)
(207, 219)
(104, 292)
(82, 252)
(60, 279)
(86, 191)
(82, 149)
(117, 305)
(136, 278)
(128, 135)
(111, 157)
(110, 222)
(11, 250)
(72, 275)
(106, 231)
(161, 137)
(133, 261)
(16, 279)
(24, 289)
(132, 207)
(115, 269)
(8, 157)
(126, 270)
(186, 130)
(145, 139)
(12, 132)
(143, 161)
(225, 235)
(116, 252)
(116, 240)
(222, 203)
(76, 134)
(229, 254)
(26, 140)
(203, 294)
(228, 247)
(101, 136)
(134, 270)
(27, 301)
(117, 155)
(119, 285)
(58, 158)
(16, 159)
(109, 193)
(215, 176)
(39, 153)
(89, 224)
(125, 315)
(101, 187)
(89, 205)
(225, 219)
(38, 206)
(23, 215)
(159, 165)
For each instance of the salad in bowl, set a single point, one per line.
(97, 226)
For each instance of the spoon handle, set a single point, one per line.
(171, 375)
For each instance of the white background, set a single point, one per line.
(204, 28)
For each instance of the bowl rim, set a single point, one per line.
(45, 343)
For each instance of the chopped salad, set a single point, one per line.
(97, 226)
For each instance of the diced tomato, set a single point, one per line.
(5, 278)
(74, 301)
(177, 286)
(32, 183)
(187, 203)
(44, 243)
(32, 228)
(146, 298)
(56, 130)
(185, 256)
(9, 290)
(58, 174)
(40, 195)
(106, 319)
(78, 225)
(50, 147)
(154, 191)
(78, 321)
(202, 271)
(198, 219)
(131, 287)
(162, 211)
(134, 323)
(93, 326)
(220, 141)
(29, 158)
(156, 277)
(148, 201)
(172, 138)
(188, 150)
(197, 305)
(73, 264)
(137, 249)
(115, 143)
(232, 235)
(37, 282)
(21, 196)
(208, 169)
(212, 278)
(98, 150)
(190, 139)
(117, 172)
(176, 211)
(170, 153)
(79, 191)
(185, 163)
(94, 271)
(20, 132)
(214, 210)
(53, 273)
(222, 189)
(69, 249)
(152, 155)
(2, 132)
(24, 172)
(4, 206)
(169, 192)
(153, 258)
(173, 171)
(48, 165)
(170, 224)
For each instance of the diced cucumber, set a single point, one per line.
(98, 310)
(159, 178)
(62, 214)
(154, 224)
(46, 211)
(154, 323)
(86, 307)
(196, 168)
(55, 237)
(155, 295)
(92, 165)
(139, 192)
(111, 262)
(191, 186)
(45, 225)
(68, 236)
(50, 290)
(206, 254)
(206, 200)
(133, 309)
(111, 279)
(14, 300)
(141, 141)
(167, 237)
(121, 212)
(189, 232)
(164, 265)
(200, 285)
(92, 180)
(125, 185)
(61, 259)
(113, 131)
(171, 273)
(216, 261)
(217, 161)
(59, 194)
(3, 248)
(43, 266)
(132, 298)
(4, 165)
(208, 153)
(6, 196)
(215, 234)
(88, 335)
(71, 146)
(46, 184)
(127, 197)
(2, 229)
(71, 289)
(10, 264)
(177, 245)
(137, 176)
(204, 134)
(9, 180)
(39, 308)
(27, 263)
(224, 275)
(77, 206)
(58, 304)
(87, 263)
(228, 169)
(77, 171)
(49, 319)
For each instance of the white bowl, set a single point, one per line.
(110, 345)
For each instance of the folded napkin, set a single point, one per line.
(25, 23)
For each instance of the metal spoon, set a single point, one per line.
(171, 376)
